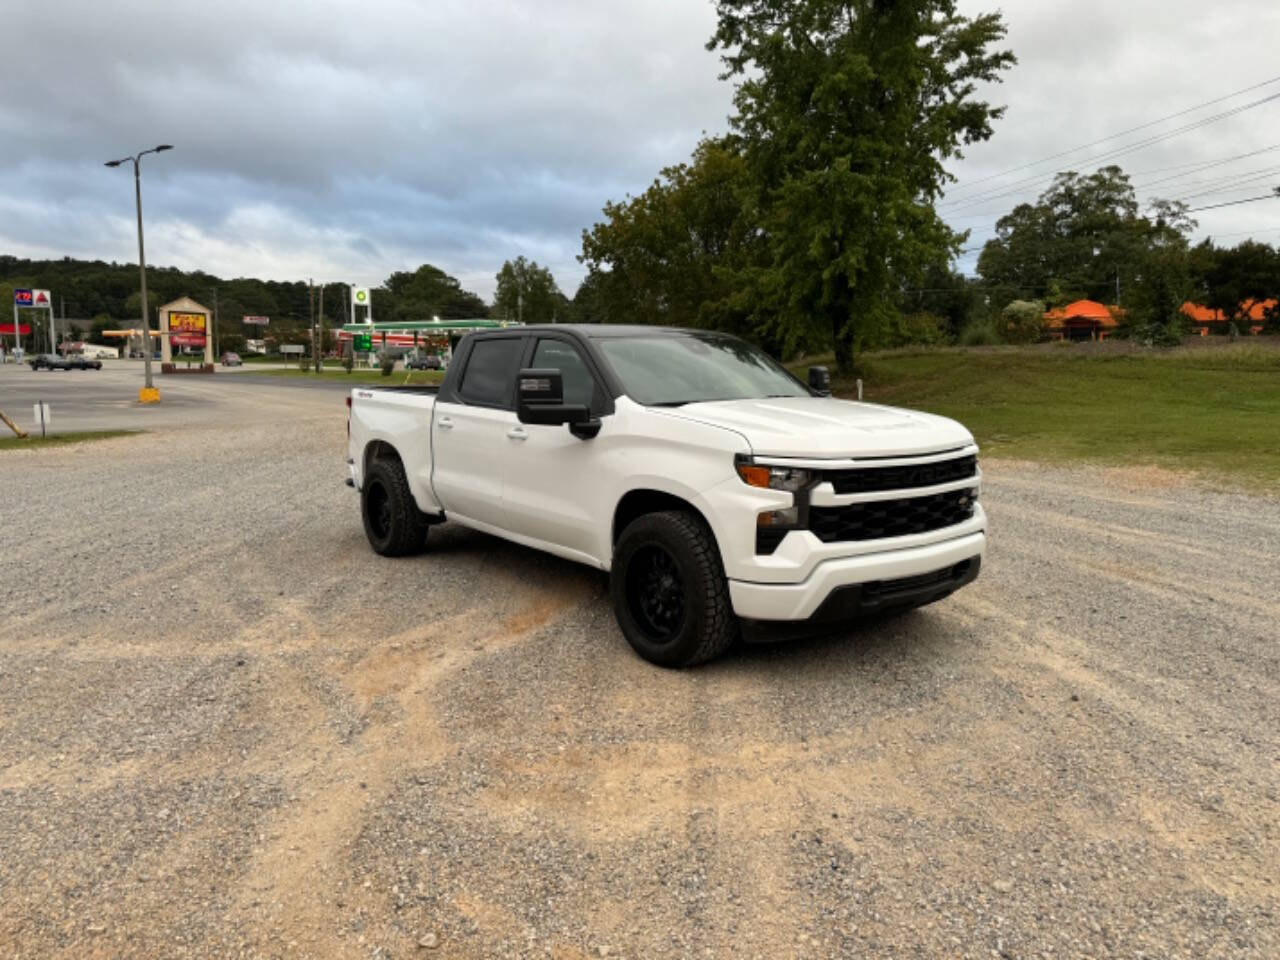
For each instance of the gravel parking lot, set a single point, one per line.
(227, 728)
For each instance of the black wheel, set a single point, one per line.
(669, 591)
(392, 522)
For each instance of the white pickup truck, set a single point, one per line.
(709, 482)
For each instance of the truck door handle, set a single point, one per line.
(445, 423)
(517, 433)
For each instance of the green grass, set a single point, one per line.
(59, 439)
(398, 378)
(1214, 411)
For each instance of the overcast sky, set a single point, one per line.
(343, 141)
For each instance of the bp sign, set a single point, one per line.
(363, 342)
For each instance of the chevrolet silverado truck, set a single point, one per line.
(710, 484)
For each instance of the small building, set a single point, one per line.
(1082, 320)
(1205, 321)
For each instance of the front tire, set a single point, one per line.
(392, 522)
(669, 591)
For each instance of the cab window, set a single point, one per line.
(579, 385)
(491, 371)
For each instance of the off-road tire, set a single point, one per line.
(392, 521)
(707, 626)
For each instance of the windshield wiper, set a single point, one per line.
(670, 403)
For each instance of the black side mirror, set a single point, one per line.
(540, 400)
(820, 381)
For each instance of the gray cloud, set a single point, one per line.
(345, 141)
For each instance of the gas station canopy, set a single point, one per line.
(427, 326)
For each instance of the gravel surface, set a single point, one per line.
(235, 731)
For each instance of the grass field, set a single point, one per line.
(59, 439)
(1214, 411)
(398, 378)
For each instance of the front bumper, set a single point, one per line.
(828, 578)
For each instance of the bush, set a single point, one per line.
(979, 333)
(388, 364)
(916, 329)
(304, 362)
(349, 361)
(1022, 321)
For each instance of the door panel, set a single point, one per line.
(468, 436)
(467, 450)
(547, 493)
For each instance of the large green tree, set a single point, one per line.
(425, 293)
(528, 292)
(1086, 236)
(1234, 279)
(848, 111)
(668, 255)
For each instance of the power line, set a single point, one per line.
(1233, 203)
(1013, 189)
(1122, 133)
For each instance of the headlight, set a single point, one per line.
(774, 478)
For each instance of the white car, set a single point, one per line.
(709, 482)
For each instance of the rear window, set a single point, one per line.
(491, 372)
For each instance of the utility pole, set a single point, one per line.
(311, 312)
(215, 323)
(320, 328)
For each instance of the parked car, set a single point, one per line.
(711, 484)
(77, 362)
(424, 362)
(230, 359)
(48, 361)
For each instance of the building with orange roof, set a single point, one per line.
(1082, 320)
(1205, 321)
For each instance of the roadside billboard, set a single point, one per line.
(187, 329)
(22, 298)
(256, 321)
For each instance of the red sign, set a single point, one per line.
(187, 329)
(6, 329)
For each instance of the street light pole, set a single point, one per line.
(149, 394)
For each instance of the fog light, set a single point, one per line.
(789, 517)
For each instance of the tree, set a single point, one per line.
(425, 293)
(1084, 237)
(1235, 279)
(847, 111)
(668, 255)
(1022, 321)
(528, 292)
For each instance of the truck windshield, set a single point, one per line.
(696, 367)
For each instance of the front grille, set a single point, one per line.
(881, 519)
(876, 479)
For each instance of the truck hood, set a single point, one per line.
(827, 428)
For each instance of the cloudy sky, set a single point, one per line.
(343, 140)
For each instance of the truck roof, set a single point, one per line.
(601, 331)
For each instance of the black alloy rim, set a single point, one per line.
(379, 511)
(655, 593)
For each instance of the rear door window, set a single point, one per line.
(490, 376)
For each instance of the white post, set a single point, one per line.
(17, 332)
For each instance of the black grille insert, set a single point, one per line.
(876, 479)
(881, 519)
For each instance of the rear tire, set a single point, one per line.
(669, 591)
(392, 521)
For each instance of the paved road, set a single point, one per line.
(107, 399)
(230, 729)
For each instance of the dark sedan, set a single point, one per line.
(48, 361)
(84, 363)
(428, 362)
